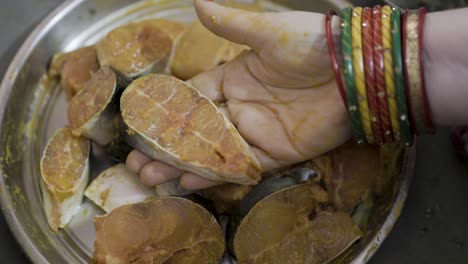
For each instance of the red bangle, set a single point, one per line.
(427, 109)
(380, 76)
(405, 68)
(368, 53)
(334, 60)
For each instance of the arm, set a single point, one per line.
(290, 70)
(446, 66)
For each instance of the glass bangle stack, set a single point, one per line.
(381, 76)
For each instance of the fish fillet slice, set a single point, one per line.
(172, 122)
(64, 175)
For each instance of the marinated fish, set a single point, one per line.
(172, 122)
(64, 170)
(94, 111)
(117, 186)
(164, 230)
(74, 68)
(350, 173)
(294, 225)
(199, 50)
(135, 49)
(227, 196)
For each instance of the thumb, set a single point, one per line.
(239, 26)
(210, 83)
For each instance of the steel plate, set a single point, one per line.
(31, 109)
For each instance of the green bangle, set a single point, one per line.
(353, 107)
(405, 128)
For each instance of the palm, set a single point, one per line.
(281, 95)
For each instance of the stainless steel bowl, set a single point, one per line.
(31, 109)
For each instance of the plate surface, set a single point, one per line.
(31, 109)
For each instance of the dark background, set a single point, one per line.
(433, 227)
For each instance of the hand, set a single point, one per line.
(281, 95)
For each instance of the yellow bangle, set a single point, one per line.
(358, 67)
(389, 71)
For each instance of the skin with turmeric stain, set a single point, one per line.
(277, 92)
(281, 95)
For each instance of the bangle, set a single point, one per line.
(348, 72)
(358, 67)
(379, 75)
(334, 60)
(368, 58)
(413, 71)
(404, 18)
(383, 73)
(427, 113)
(389, 72)
(405, 129)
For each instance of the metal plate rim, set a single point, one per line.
(5, 89)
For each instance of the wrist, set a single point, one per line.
(446, 67)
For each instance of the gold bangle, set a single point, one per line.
(413, 71)
(358, 67)
(389, 74)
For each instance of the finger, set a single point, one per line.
(210, 83)
(157, 172)
(137, 160)
(190, 181)
(268, 163)
(243, 27)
